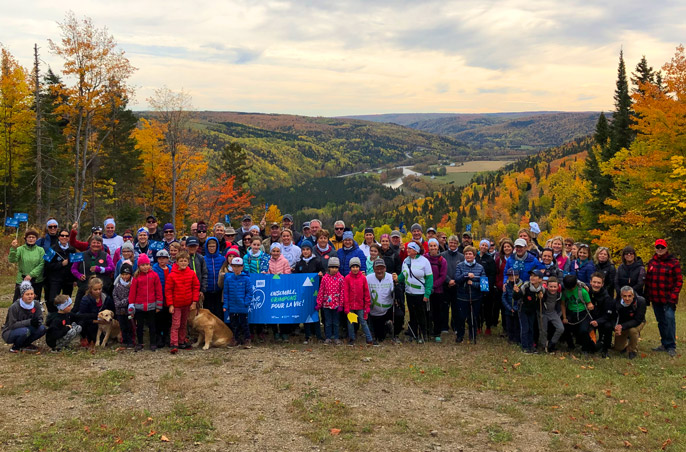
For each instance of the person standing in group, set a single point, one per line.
(58, 274)
(466, 241)
(504, 252)
(127, 255)
(95, 262)
(453, 257)
(491, 306)
(369, 240)
(182, 289)
(603, 264)
(163, 317)
(439, 269)
(120, 295)
(127, 237)
(663, 282)
(30, 264)
(287, 223)
(154, 232)
(530, 297)
(323, 247)
(201, 237)
(356, 300)
(631, 272)
(110, 239)
(337, 239)
(255, 260)
(418, 238)
(50, 238)
(214, 260)
(278, 265)
(418, 279)
(24, 321)
(169, 235)
(238, 295)
(468, 275)
(310, 263)
(602, 304)
(349, 251)
(197, 264)
(551, 316)
(330, 301)
(142, 245)
(576, 307)
(147, 297)
(289, 250)
(381, 291)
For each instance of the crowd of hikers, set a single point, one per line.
(541, 295)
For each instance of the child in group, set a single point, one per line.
(330, 300)
(163, 318)
(146, 296)
(182, 291)
(309, 263)
(356, 299)
(511, 311)
(256, 260)
(238, 294)
(551, 314)
(61, 327)
(530, 296)
(120, 293)
(94, 301)
(24, 321)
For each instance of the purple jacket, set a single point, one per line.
(439, 267)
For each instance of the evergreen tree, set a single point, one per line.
(600, 184)
(232, 159)
(644, 74)
(620, 131)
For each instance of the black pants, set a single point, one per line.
(37, 289)
(89, 330)
(579, 328)
(214, 303)
(605, 333)
(126, 328)
(435, 314)
(162, 326)
(143, 317)
(378, 323)
(449, 294)
(57, 288)
(239, 327)
(417, 307)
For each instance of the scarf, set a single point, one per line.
(535, 289)
(64, 247)
(323, 250)
(470, 264)
(26, 306)
(308, 259)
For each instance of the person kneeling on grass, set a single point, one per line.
(238, 294)
(24, 322)
(356, 300)
(182, 290)
(61, 327)
(630, 320)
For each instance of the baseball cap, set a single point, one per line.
(520, 242)
(662, 242)
(396, 234)
(162, 253)
(379, 263)
(236, 261)
(192, 241)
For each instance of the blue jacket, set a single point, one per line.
(583, 272)
(259, 264)
(47, 241)
(117, 268)
(345, 256)
(508, 301)
(523, 267)
(461, 278)
(157, 269)
(214, 263)
(238, 294)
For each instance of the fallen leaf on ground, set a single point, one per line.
(627, 444)
(515, 365)
(335, 431)
(608, 393)
(152, 433)
(557, 432)
(86, 429)
(666, 443)
(118, 440)
(643, 429)
(164, 439)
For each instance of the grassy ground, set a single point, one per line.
(451, 178)
(488, 396)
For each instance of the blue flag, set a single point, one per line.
(468, 228)
(402, 227)
(76, 257)
(49, 254)
(11, 222)
(156, 246)
(227, 219)
(83, 206)
(483, 282)
(21, 217)
(284, 298)
(266, 207)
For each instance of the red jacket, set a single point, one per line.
(424, 244)
(663, 280)
(356, 293)
(146, 292)
(181, 288)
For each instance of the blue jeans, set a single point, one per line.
(666, 323)
(526, 326)
(23, 336)
(363, 326)
(467, 312)
(331, 324)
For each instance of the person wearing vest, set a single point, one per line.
(95, 262)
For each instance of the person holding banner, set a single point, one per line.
(310, 263)
(278, 265)
(59, 277)
(50, 238)
(30, 263)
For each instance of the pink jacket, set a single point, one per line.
(330, 286)
(279, 266)
(146, 292)
(356, 293)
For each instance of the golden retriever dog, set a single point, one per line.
(107, 325)
(212, 331)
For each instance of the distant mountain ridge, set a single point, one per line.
(529, 131)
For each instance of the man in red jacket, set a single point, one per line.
(663, 283)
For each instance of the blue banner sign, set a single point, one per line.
(284, 298)
(76, 257)
(49, 254)
(156, 246)
(11, 222)
(21, 217)
(227, 219)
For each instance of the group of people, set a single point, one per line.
(542, 295)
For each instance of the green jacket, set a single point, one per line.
(29, 260)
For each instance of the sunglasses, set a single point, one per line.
(168, 232)
(127, 237)
(52, 227)
(202, 231)
(151, 221)
(97, 233)
(629, 253)
(339, 229)
(64, 235)
(660, 247)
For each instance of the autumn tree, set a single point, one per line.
(233, 160)
(16, 125)
(95, 72)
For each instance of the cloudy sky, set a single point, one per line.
(361, 57)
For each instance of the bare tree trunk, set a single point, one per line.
(39, 154)
(173, 162)
(77, 161)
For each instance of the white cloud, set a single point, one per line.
(348, 57)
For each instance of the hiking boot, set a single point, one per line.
(153, 348)
(604, 354)
(30, 348)
(138, 348)
(458, 340)
(15, 349)
(247, 344)
(186, 346)
(84, 342)
(370, 343)
(437, 339)
(631, 355)
(396, 341)
(306, 341)
(420, 341)
(351, 342)
(338, 342)
(174, 350)
(488, 332)
(327, 342)
(284, 337)
(660, 348)
(672, 352)
(375, 343)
